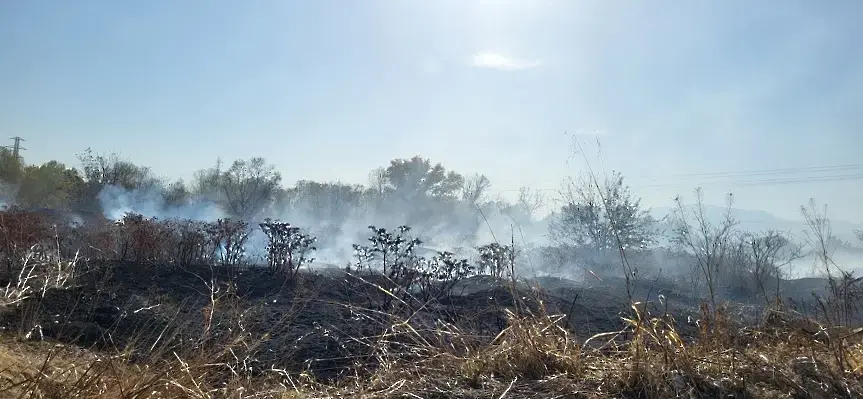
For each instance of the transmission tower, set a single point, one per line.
(16, 148)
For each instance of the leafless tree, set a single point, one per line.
(530, 200)
(475, 188)
(762, 256)
(378, 182)
(709, 244)
(819, 237)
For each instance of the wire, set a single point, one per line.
(733, 178)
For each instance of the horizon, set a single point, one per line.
(729, 96)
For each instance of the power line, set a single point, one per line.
(742, 182)
(764, 172)
(763, 182)
(744, 173)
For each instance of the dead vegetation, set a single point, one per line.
(406, 339)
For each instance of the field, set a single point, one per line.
(143, 309)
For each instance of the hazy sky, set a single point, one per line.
(328, 90)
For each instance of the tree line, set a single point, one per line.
(599, 225)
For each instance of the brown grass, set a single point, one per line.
(535, 356)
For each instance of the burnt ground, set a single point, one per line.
(325, 321)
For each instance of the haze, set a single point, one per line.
(755, 98)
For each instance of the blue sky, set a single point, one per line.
(330, 89)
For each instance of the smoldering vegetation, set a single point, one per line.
(417, 283)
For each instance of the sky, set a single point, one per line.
(747, 97)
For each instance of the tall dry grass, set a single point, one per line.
(535, 355)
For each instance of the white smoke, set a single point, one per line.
(459, 232)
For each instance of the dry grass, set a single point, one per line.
(534, 356)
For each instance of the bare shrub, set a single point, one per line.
(189, 243)
(710, 244)
(758, 260)
(143, 240)
(288, 248)
(228, 239)
(20, 233)
(39, 272)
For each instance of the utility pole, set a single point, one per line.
(16, 148)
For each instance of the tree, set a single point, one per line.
(378, 184)
(176, 194)
(530, 201)
(819, 236)
(101, 170)
(50, 185)
(11, 173)
(417, 177)
(602, 217)
(206, 183)
(475, 188)
(709, 244)
(326, 201)
(760, 257)
(248, 187)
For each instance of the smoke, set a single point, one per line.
(338, 224)
(117, 201)
(455, 227)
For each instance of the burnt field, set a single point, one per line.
(175, 308)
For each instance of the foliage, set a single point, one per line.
(249, 186)
(602, 217)
(245, 190)
(495, 259)
(104, 170)
(22, 231)
(417, 177)
(436, 277)
(50, 185)
(324, 201)
(392, 252)
(11, 168)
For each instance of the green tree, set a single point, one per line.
(11, 173)
(418, 178)
(104, 170)
(176, 194)
(50, 185)
(244, 190)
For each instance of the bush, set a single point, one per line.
(20, 233)
(288, 248)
